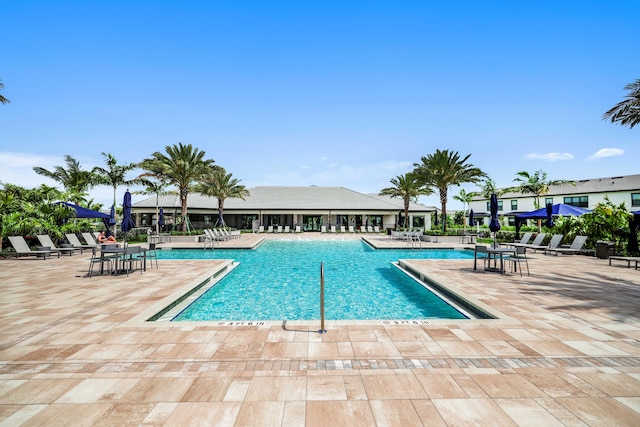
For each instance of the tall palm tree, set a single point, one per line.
(627, 112)
(443, 169)
(3, 100)
(465, 198)
(219, 184)
(157, 188)
(114, 175)
(536, 184)
(74, 179)
(407, 188)
(182, 166)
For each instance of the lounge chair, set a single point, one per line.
(89, 239)
(351, 230)
(261, 229)
(376, 229)
(298, 229)
(333, 228)
(524, 241)
(270, 229)
(73, 240)
(536, 242)
(628, 259)
(22, 248)
(369, 229)
(343, 229)
(363, 229)
(553, 243)
(279, 229)
(45, 240)
(287, 229)
(576, 246)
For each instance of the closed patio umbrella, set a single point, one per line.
(112, 220)
(549, 221)
(471, 218)
(160, 218)
(127, 222)
(518, 225)
(494, 224)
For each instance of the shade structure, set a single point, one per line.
(559, 209)
(88, 213)
(549, 221)
(127, 222)
(494, 224)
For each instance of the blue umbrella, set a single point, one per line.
(127, 222)
(161, 217)
(494, 224)
(471, 217)
(558, 209)
(112, 216)
(549, 222)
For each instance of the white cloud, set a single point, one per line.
(550, 157)
(393, 165)
(606, 152)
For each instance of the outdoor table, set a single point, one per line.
(500, 252)
(116, 251)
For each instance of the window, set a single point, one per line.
(635, 199)
(514, 205)
(499, 205)
(549, 201)
(579, 201)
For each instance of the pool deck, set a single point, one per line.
(565, 350)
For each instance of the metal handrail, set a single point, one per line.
(322, 329)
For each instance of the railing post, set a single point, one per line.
(322, 329)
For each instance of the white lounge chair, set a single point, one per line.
(279, 229)
(261, 229)
(75, 242)
(343, 229)
(376, 229)
(298, 229)
(22, 248)
(523, 241)
(574, 248)
(323, 228)
(270, 229)
(333, 228)
(536, 242)
(363, 229)
(369, 229)
(45, 240)
(89, 239)
(287, 229)
(351, 230)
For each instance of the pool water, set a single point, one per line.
(280, 280)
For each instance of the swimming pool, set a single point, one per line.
(280, 281)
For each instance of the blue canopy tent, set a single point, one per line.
(88, 213)
(559, 209)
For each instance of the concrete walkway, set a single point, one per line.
(565, 350)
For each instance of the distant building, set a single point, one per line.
(587, 193)
(310, 207)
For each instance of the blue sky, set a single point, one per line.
(320, 93)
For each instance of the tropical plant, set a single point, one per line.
(74, 179)
(607, 222)
(182, 166)
(489, 187)
(113, 175)
(406, 187)
(3, 100)
(154, 188)
(466, 199)
(443, 169)
(220, 184)
(627, 112)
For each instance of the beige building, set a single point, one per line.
(310, 207)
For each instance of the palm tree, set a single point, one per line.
(536, 184)
(443, 169)
(157, 188)
(627, 112)
(74, 179)
(489, 187)
(465, 198)
(3, 100)
(113, 175)
(219, 184)
(406, 187)
(182, 165)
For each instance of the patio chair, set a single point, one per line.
(261, 229)
(376, 229)
(333, 228)
(152, 254)
(279, 229)
(323, 228)
(536, 242)
(553, 243)
(481, 253)
(298, 229)
(343, 229)
(270, 229)
(574, 248)
(520, 255)
(369, 229)
(132, 256)
(363, 229)
(98, 258)
(73, 240)
(287, 229)
(45, 240)
(22, 248)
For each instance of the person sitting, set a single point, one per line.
(102, 238)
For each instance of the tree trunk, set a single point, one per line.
(443, 215)
(184, 213)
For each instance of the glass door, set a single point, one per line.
(312, 222)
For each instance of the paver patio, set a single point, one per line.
(565, 350)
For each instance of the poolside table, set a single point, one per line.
(500, 253)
